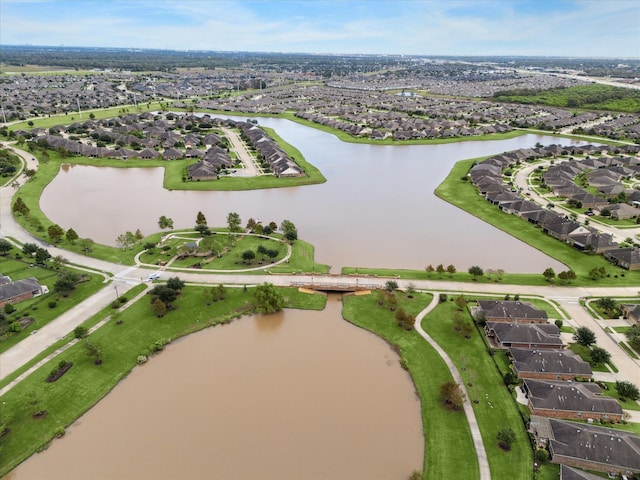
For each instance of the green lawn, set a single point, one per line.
(85, 383)
(495, 408)
(613, 393)
(43, 308)
(448, 443)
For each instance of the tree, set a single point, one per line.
(128, 239)
(430, 269)
(506, 437)
(458, 320)
(20, 207)
(633, 336)
(567, 276)
(452, 394)
(42, 256)
(71, 235)
(233, 222)
(476, 272)
(268, 299)
(461, 302)
(248, 255)
(201, 219)
(86, 244)
(34, 400)
(467, 329)
(251, 224)
(289, 230)
(440, 270)
(599, 356)
(549, 274)
(5, 247)
(391, 286)
(55, 233)
(175, 283)
(165, 223)
(66, 282)
(80, 332)
(607, 304)
(584, 336)
(451, 270)
(627, 390)
(93, 350)
(158, 307)
(203, 230)
(164, 293)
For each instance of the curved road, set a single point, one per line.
(125, 277)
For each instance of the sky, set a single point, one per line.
(577, 28)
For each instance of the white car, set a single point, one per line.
(153, 276)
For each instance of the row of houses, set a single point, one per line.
(487, 178)
(558, 387)
(163, 138)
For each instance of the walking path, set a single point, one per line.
(66, 346)
(483, 462)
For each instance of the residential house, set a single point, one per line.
(570, 473)
(570, 400)
(20, 290)
(595, 448)
(523, 335)
(549, 364)
(628, 258)
(631, 311)
(512, 311)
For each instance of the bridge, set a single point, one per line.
(328, 284)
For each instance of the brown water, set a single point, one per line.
(377, 208)
(298, 395)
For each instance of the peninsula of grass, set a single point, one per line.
(140, 333)
(174, 172)
(495, 408)
(447, 435)
(464, 195)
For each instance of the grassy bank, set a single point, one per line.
(447, 436)
(85, 383)
(464, 195)
(493, 404)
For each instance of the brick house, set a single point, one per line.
(524, 335)
(20, 290)
(570, 400)
(545, 364)
(510, 311)
(594, 448)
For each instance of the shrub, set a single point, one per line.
(80, 332)
(559, 323)
(142, 359)
(52, 304)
